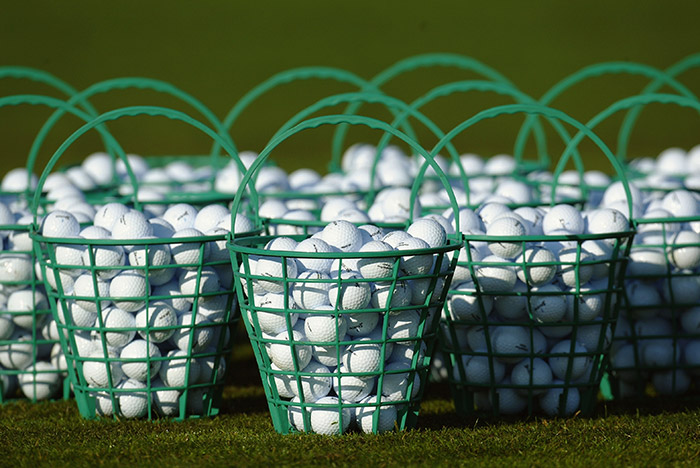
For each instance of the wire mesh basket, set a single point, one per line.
(528, 322)
(31, 362)
(341, 336)
(655, 346)
(145, 318)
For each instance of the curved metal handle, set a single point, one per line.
(630, 120)
(54, 103)
(337, 120)
(406, 65)
(638, 102)
(286, 77)
(40, 76)
(133, 83)
(131, 112)
(538, 109)
(373, 98)
(486, 86)
(597, 70)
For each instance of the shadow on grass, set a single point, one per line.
(244, 394)
(438, 411)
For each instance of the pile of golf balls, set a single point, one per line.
(345, 337)
(525, 319)
(30, 356)
(145, 311)
(657, 339)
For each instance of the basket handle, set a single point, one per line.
(635, 102)
(406, 65)
(337, 120)
(41, 76)
(132, 83)
(481, 86)
(367, 97)
(630, 120)
(286, 77)
(520, 97)
(54, 103)
(593, 71)
(132, 112)
(548, 112)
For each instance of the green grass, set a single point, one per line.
(650, 432)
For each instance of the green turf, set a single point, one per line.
(643, 433)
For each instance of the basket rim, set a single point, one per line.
(34, 235)
(240, 245)
(551, 238)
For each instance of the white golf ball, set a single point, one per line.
(386, 416)
(102, 371)
(351, 295)
(181, 216)
(156, 322)
(537, 266)
(312, 295)
(314, 244)
(290, 351)
(39, 381)
(553, 402)
(509, 227)
(128, 290)
(178, 370)
(329, 420)
(133, 404)
(138, 357)
(575, 358)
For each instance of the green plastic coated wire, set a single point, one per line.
(54, 103)
(368, 97)
(630, 120)
(463, 390)
(286, 77)
(336, 120)
(635, 102)
(538, 109)
(499, 88)
(409, 64)
(133, 83)
(132, 112)
(593, 71)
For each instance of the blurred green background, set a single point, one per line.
(218, 50)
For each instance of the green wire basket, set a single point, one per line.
(177, 367)
(31, 359)
(655, 347)
(376, 394)
(499, 366)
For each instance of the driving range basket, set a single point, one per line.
(145, 322)
(338, 348)
(533, 332)
(31, 361)
(656, 347)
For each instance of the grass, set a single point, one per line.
(642, 432)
